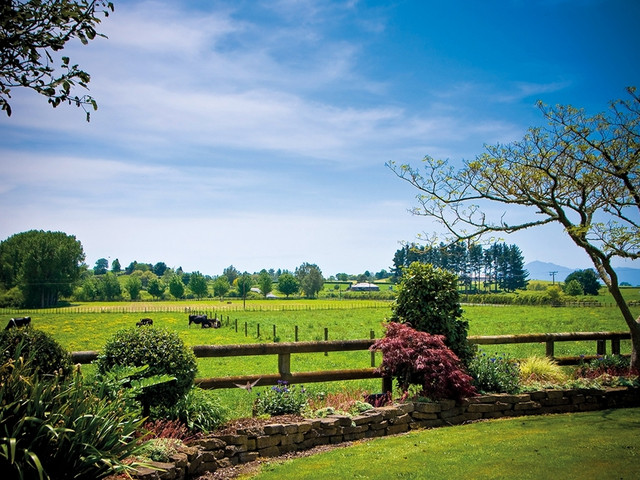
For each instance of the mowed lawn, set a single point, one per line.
(590, 445)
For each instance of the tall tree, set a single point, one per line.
(310, 277)
(43, 265)
(198, 284)
(133, 285)
(156, 288)
(288, 284)
(115, 266)
(176, 287)
(221, 286)
(231, 273)
(32, 32)
(581, 172)
(109, 288)
(588, 279)
(265, 283)
(244, 283)
(101, 266)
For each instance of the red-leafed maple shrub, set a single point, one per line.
(419, 358)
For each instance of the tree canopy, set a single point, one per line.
(32, 32)
(580, 171)
(310, 278)
(43, 265)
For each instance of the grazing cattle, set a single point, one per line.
(18, 322)
(144, 321)
(199, 320)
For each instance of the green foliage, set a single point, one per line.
(310, 278)
(281, 399)
(61, 428)
(199, 410)
(497, 373)
(613, 365)
(221, 286)
(159, 449)
(587, 279)
(47, 355)
(29, 44)
(176, 287)
(44, 265)
(429, 301)
(198, 284)
(156, 288)
(162, 350)
(244, 283)
(288, 284)
(108, 287)
(265, 283)
(133, 285)
(573, 288)
(12, 298)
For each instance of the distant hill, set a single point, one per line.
(542, 271)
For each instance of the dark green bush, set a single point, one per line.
(60, 427)
(281, 399)
(46, 354)
(163, 351)
(429, 301)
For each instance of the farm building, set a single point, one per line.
(364, 287)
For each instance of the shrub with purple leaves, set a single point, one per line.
(419, 358)
(281, 399)
(495, 373)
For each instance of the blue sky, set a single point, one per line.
(255, 133)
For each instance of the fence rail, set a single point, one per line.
(284, 351)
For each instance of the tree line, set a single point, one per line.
(497, 267)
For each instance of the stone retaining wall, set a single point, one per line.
(220, 451)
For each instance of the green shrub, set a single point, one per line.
(199, 410)
(428, 300)
(498, 373)
(59, 427)
(159, 449)
(165, 354)
(614, 365)
(46, 354)
(281, 399)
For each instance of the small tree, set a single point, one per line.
(115, 266)
(244, 283)
(221, 286)
(418, 358)
(101, 266)
(176, 287)
(429, 301)
(133, 285)
(198, 284)
(310, 278)
(288, 284)
(588, 280)
(265, 283)
(156, 288)
(573, 288)
(109, 287)
(231, 273)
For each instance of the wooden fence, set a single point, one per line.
(284, 351)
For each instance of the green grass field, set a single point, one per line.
(344, 320)
(599, 444)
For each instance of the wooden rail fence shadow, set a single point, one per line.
(284, 351)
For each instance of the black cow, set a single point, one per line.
(18, 322)
(201, 320)
(144, 321)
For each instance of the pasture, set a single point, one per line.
(343, 320)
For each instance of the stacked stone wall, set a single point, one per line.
(220, 451)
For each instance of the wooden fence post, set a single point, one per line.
(258, 331)
(296, 336)
(549, 349)
(246, 327)
(326, 339)
(601, 347)
(236, 325)
(274, 332)
(615, 346)
(372, 335)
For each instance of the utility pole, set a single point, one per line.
(553, 277)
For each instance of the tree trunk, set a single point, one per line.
(610, 278)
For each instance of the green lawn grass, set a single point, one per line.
(599, 444)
